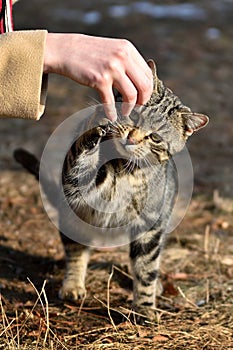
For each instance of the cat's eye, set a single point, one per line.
(156, 138)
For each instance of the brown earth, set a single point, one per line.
(194, 58)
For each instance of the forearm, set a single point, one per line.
(22, 87)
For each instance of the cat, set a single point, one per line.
(140, 177)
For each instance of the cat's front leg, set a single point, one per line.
(77, 258)
(145, 261)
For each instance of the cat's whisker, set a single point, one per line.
(138, 161)
(132, 163)
(119, 116)
(113, 132)
(128, 166)
(147, 162)
(119, 125)
(113, 125)
(94, 99)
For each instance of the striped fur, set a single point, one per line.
(140, 177)
(148, 138)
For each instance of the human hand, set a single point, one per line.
(101, 63)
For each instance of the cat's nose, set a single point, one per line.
(131, 140)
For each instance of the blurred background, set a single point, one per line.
(191, 42)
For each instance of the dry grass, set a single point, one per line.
(181, 323)
(195, 310)
(194, 328)
(14, 329)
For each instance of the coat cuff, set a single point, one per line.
(23, 87)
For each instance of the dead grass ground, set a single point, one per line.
(194, 311)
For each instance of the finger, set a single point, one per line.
(143, 82)
(141, 76)
(128, 92)
(108, 100)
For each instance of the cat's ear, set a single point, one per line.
(157, 82)
(152, 65)
(194, 122)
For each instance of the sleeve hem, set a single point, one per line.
(23, 86)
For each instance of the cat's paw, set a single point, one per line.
(104, 126)
(102, 130)
(93, 138)
(72, 291)
(104, 122)
(143, 315)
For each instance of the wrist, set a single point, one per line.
(52, 53)
(58, 47)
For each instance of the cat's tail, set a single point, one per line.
(28, 161)
(32, 165)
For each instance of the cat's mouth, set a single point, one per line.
(127, 139)
(128, 144)
(128, 147)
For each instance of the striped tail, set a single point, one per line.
(28, 161)
(32, 165)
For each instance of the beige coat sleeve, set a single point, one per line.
(22, 84)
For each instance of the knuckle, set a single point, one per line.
(99, 79)
(123, 49)
(131, 96)
(93, 79)
(113, 65)
(146, 88)
(126, 44)
(104, 78)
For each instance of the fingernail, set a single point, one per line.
(113, 118)
(126, 109)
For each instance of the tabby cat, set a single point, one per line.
(142, 172)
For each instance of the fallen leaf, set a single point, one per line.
(227, 260)
(143, 332)
(170, 289)
(159, 337)
(180, 276)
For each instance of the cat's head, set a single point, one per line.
(159, 129)
(170, 107)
